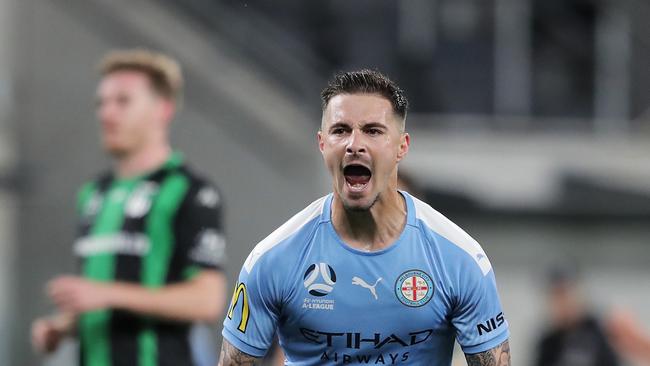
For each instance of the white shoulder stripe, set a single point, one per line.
(286, 230)
(450, 231)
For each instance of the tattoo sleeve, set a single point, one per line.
(497, 356)
(231, 356)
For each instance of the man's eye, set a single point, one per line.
(374, 131)
(338, 131)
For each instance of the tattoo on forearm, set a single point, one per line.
(231, 356)
(497, 356)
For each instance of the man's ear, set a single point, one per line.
(319, 135)
(168, 109)
(404, 145)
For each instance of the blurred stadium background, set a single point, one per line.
(530, 122)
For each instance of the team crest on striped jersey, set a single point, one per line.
(414, 288)
(140, 200)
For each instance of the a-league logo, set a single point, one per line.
(319, 279)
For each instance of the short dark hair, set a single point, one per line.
(367, 82)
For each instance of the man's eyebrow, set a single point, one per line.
(339, 124)
(374, 125)
(365, 125)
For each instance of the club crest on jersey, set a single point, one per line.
(139, 201)
(319, 279)
(414, 288)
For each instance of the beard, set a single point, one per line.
(356, 208)
(116, 151)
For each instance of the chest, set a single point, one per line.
(126, 232)
(120, 218)
(120, 204)
(346, 299)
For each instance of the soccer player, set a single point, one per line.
(367, 274)
(150, 243)
(575, 336)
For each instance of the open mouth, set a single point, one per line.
(357, 176)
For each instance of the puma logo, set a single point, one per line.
(362, 283)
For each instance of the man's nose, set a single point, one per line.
(355, 144)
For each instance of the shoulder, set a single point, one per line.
(294, 232)
(444, 233)
(201, 190)
(195, 179)
(89, 193)
(99, 182)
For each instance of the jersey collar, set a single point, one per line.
(174, 161)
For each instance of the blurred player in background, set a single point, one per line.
(150, 242)
(576, 337)
(367, 274)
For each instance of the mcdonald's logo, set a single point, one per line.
(240, 291)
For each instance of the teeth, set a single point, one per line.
(358, 185)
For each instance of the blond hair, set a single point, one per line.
(164, 72)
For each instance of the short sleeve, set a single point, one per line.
(478, 317)
(252, 317)
(199, 230)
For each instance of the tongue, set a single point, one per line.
(357, 179)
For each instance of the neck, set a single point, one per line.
(142, 161)
(373, 229)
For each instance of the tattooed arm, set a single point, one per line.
(231, 356)
(497, 356)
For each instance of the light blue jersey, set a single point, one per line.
(332, 304)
